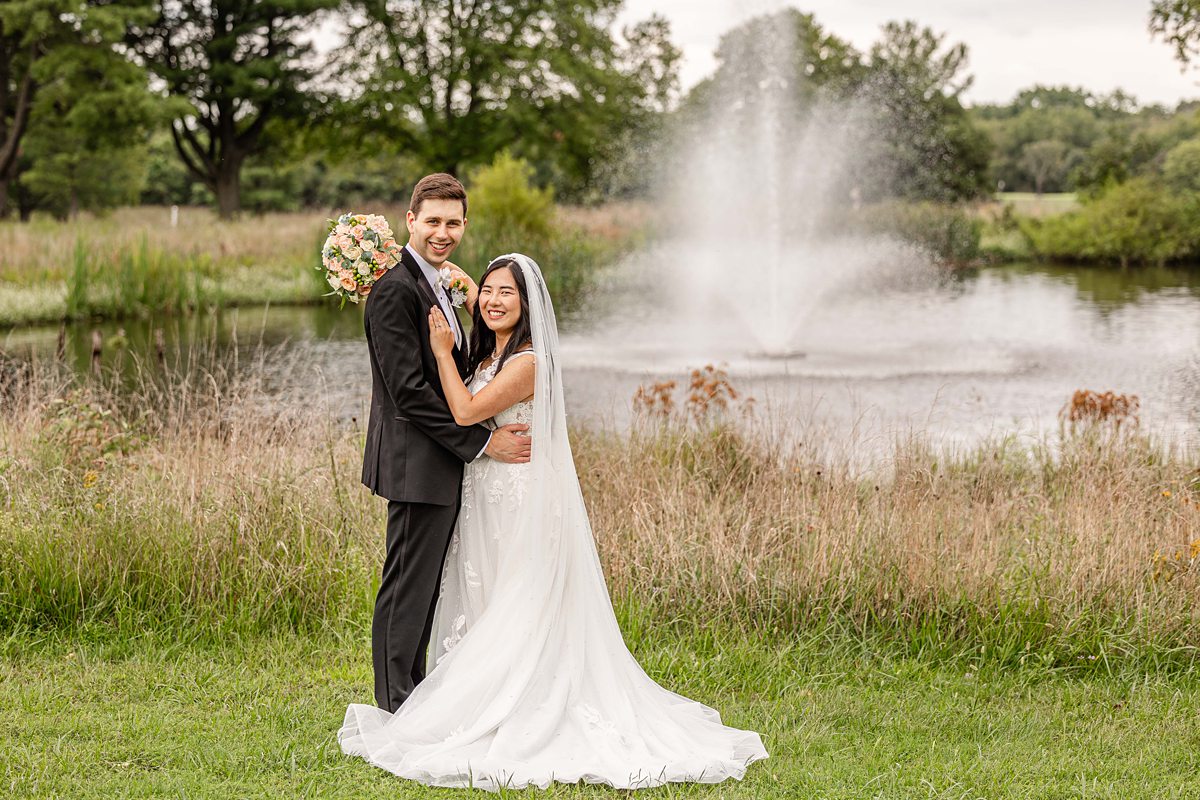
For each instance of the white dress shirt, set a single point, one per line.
(431, 275)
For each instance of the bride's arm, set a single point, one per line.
(513, 384)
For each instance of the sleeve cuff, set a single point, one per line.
(484, 448)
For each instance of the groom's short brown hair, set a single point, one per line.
(438, 186)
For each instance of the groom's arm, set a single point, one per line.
(396, 335)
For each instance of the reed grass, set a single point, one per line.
(195, 500)
(134, 263)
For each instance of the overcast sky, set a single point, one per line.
(1100, 45)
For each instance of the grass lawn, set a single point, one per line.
(1031, 205)
(257, 717)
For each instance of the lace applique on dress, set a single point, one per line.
(599, 722)
(472, 577)
(517, 483)
(456, 634)
(468, 497)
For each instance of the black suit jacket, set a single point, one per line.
(415, 451)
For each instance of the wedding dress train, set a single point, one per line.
(530, 680)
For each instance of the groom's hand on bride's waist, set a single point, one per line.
(510, 444)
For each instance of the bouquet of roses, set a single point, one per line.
(359, 249)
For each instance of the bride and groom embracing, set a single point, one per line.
(498, 659)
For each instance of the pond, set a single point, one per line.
(980, 354)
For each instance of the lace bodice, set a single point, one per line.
(520, 413)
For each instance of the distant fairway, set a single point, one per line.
(1031, 205)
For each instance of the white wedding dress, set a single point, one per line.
(529, 680)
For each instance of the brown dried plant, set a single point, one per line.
(709, 395)
(657, 400)
(709, 388)
(1090, 408)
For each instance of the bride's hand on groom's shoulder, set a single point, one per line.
(456, 273)
(441, 335)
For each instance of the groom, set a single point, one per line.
(415, 451)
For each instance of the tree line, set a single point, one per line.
(266, 104)
(93, 91)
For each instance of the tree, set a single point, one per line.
(89, 127)
(454, 83)
(1178, 23)
(629, 162)
(1098, 130)
(1181, 168)
(914, 130)
(234, 66)
(1048, 160)
(41, 43)
(823, 62)
(933, 150)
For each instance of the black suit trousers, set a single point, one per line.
(417, 537)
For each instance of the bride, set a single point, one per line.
(530, 681)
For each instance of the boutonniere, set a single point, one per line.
(455, 288)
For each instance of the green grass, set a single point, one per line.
(1048, 204)
(154, 715)
(186, 573)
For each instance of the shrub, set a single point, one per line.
(1139, 221)
(507, 213)
(946, 232)
(1181, 169)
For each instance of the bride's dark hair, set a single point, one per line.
(483, 340)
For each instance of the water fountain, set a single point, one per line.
(756, 207)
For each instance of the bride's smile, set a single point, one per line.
(500, 301)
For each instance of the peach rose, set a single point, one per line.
(348, 284)
(363, 291)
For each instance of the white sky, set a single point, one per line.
(1100, 45)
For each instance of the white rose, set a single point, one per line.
(367, 244)
(365, 267)
(353, 253)
(333, 281)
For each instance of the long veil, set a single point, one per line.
(542, 687)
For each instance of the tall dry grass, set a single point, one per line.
(133, 262)
(43, 250)
(1064, 547)
(197, 501)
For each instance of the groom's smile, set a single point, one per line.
(436, 228)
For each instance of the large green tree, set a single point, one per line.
(454, 82)
(46, 47)
(931, 148)
(921, 144)
(234, 66)
(89, 128)
(825, 63)
(1074, 118)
